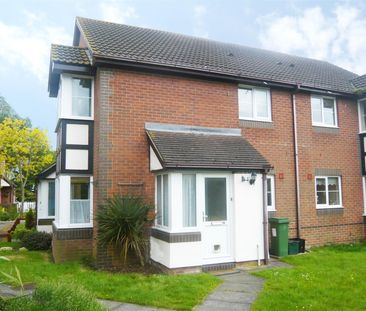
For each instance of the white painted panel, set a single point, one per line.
(62, 201)
(76, 159)
(47, 228)
(176, 255)
(154, 161)
(248, 209)
(77, 134)
(3, 183)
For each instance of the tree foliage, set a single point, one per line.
(24, 152)
(6, 111)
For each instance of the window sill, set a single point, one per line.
(329, 207)
(256, 124)
(325, 125)
(255, 120)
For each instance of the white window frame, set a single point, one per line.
(272, 208)
(322, 124)
(65, 109)
(327, 206)
(166, 227)
(359, 115)
(269, 104)
(86, 224)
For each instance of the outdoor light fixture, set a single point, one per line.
(251, 179)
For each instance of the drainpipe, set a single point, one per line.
(297, 177)
(265, 219)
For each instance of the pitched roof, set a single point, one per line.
(189, 149)
(69, 55)
(147, 46)
(46, 172)
(360, 83)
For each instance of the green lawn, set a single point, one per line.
(181, 292)
(328, 278)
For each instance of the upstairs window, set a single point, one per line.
(362, 115)
(323, 111)
(81, 97)
(328, 191)
(254, 104)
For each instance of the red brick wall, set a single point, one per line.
(125, 100)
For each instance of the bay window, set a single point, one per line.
(254, 104)
(328, 191)
(323, 111)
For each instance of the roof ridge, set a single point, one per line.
(69, 46)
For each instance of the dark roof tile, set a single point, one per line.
(192, 150)
(69, 55)
(147, 46)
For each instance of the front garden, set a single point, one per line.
(180, 292)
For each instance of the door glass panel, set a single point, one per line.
(215, 199)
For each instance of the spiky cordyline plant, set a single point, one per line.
(122, 223)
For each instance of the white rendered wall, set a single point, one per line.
(77, 134)
(176, 255)
(77, 159)
(248, 219)
(154, 161)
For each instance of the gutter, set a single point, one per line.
(296, 158)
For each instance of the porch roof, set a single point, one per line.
(204, 149)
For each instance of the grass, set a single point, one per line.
(328, 278)
(180, 292)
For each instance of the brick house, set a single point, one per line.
(219, 136)
(7, 192)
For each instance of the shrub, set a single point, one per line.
(30, 219)
(4, 216)
(13, 212)
(36, 241)
(20, 232)
(56, 297)
(122, 222)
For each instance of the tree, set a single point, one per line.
(24, 153)
(6, 111)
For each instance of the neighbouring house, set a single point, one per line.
(7, 192)
(219, 136)
(45, 205)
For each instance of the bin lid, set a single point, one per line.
(278, 220)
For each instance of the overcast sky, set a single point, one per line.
(330, 30)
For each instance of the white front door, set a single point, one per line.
(215, 205)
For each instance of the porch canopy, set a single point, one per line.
(180, 146)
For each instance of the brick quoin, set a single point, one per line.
(125, 100)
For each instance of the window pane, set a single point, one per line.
(316, 109)
(189, 200)
(269, 192)
(261, 103)
(81, 97)
(333, 184)
(158, 201)
(321, 197)
(363, 115)
(329, 111)
(165, 201)
(79, 211)
(80, 203)
(215, 199)
(79, 188)
(51, 198)
(81, 87)
(334, 198)
(245, 103)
